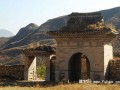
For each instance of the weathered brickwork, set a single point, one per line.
(114, 70)
(12, 72)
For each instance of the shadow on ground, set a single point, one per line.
(11, 82)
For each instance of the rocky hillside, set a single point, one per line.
(5, 33)
(32, 33)
(22, 37)
(3, 40)
(112, 16)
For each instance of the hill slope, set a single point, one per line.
(3, 40)
(21, 38)
(112, 16)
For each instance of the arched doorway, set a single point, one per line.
(79, 68)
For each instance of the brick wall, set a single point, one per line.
(12, 71)
(114, 70)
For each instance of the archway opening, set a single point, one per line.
(79, 68)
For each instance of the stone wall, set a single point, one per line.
(12, 72)
(114, 70)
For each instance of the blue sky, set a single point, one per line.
(15, 14)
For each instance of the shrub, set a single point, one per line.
(41, 71)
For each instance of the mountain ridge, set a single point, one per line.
(5, 33)
(34, 33)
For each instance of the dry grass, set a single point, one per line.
(67, 87)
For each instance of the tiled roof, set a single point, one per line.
(84, 23)
(41, 50)
(88, 18)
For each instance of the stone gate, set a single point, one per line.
(84, 48)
